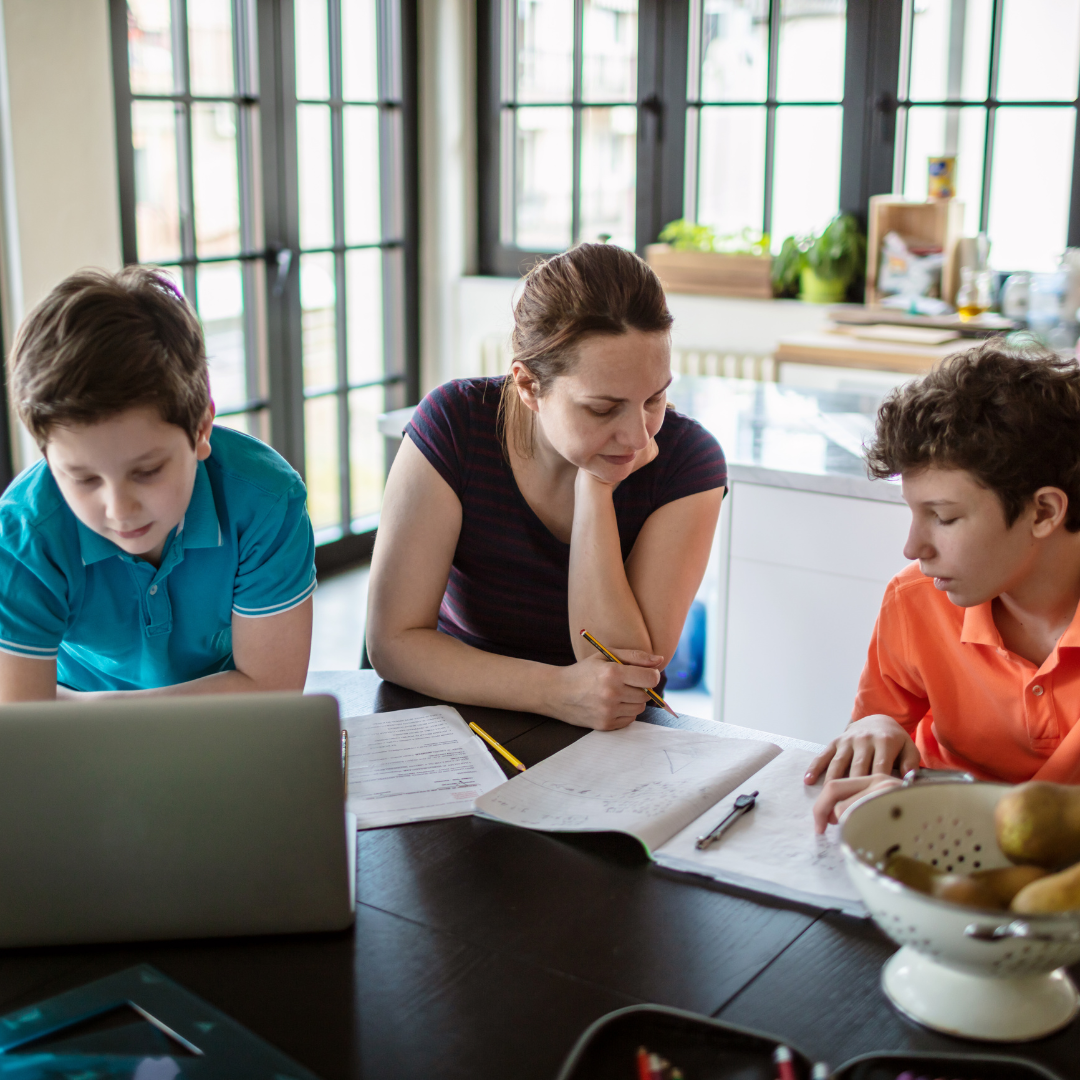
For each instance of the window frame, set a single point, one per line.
(661, 127)
(872, 52)
(991, 103)
(274, 267)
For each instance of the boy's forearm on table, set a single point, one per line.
(221, 682)
(600, 599)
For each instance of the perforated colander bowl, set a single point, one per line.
(951, 826)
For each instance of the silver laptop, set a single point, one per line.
(172, 818)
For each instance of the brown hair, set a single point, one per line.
(101, 343)
(590, 289)
(1009, 416)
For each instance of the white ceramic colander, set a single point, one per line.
(963, 970)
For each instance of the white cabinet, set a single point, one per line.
(802, 573)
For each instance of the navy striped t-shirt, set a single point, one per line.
(507, 591)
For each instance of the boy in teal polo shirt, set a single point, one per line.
(149, 552)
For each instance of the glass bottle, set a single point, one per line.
(975, 293)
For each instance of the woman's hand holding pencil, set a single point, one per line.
(607, 693)
(610, 656)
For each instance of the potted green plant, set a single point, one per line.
(821, 269)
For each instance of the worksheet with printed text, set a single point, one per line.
(415, 765)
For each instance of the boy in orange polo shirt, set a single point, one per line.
(974, 663)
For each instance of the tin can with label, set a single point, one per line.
(941, 177)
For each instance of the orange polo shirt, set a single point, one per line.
(943, 672)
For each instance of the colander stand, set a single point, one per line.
(993, 1008)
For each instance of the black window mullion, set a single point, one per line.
(247, 177)
(118, 25)
(184, 167)
(996, 19)
(903, 93)
(281, 225)
(770, 114)
(872, 69)
(663, 27)
(395, 200)
(692, 161)
(576, 113)
(337, 188)
(1073, 235)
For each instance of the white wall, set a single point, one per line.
(447, 64)
(62, 136)
(58, 178)
(483, 311)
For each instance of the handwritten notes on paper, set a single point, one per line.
(415, 765)
(775, 843)
(644, 780)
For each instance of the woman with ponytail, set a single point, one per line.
(564, 495)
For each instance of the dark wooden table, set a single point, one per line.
(483, 951)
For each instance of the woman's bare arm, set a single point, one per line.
(642, 604)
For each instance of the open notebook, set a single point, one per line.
(667, 786)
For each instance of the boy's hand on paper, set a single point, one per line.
(596, 693)
(837, 795)
(873, 745)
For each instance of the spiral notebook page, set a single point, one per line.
(644, 780)
(773, 848)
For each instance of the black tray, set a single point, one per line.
(707, 1049)
(702, 1048)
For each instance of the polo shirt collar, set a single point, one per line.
(980, 629)
(979, 626)
(1071, 637)
(199, 527)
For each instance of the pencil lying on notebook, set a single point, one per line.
(657, 699)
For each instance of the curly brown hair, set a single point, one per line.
(1009, 416)
(101, 343)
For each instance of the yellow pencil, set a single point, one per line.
(615, 660)
(496, 746)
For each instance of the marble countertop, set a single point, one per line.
(786, 436)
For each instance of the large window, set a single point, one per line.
(267, 163)
(765, 98)
(194, 117)
(772, 115)
(573, 141)
(569, 122)
(995, 83)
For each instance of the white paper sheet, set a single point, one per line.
(773, 848)
(415, 765)
(645, 780)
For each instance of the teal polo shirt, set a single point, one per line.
(113, 621)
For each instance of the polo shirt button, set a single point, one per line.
(153, 590)
(1036, 690)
